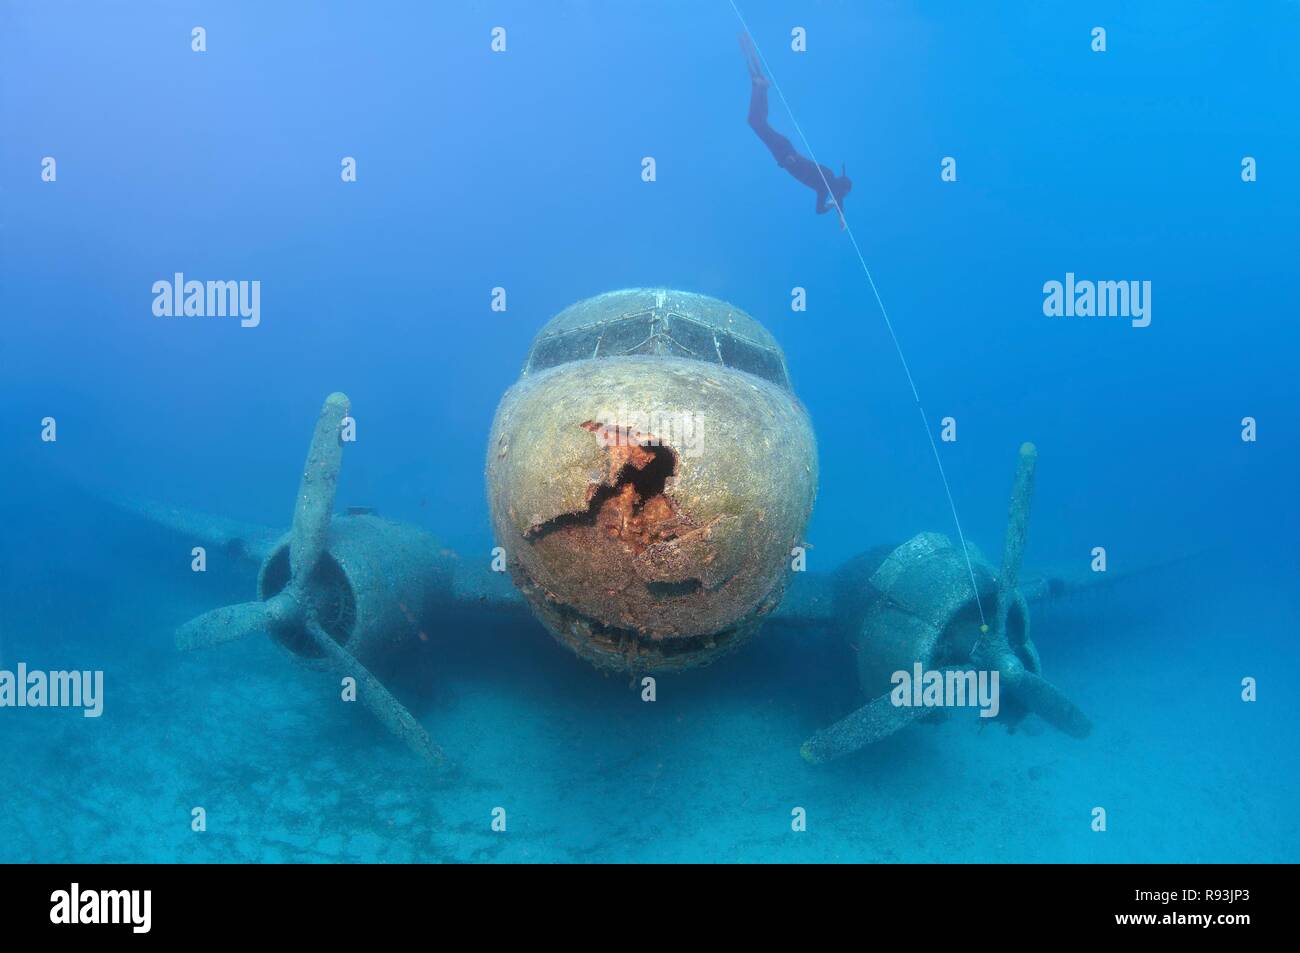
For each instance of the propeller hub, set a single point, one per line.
(283, 610)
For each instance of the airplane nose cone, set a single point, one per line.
(648, 477)
(649, 506)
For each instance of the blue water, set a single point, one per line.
(522, 170)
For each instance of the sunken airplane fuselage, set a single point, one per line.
(649, 476)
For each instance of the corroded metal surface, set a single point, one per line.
(641, 547)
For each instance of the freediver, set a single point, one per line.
(831, 189)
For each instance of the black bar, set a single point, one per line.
(210, 903)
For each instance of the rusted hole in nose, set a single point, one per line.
(629, 505)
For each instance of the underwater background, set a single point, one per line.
(522, 170)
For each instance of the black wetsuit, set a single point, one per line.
(811, 174)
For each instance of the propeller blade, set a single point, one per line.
(223, 625)
(320, 477)
(993, 643)
(379, 700)
(1046, 700)
(1022, 494)
(875, 720)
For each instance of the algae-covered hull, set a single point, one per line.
(649, 499)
